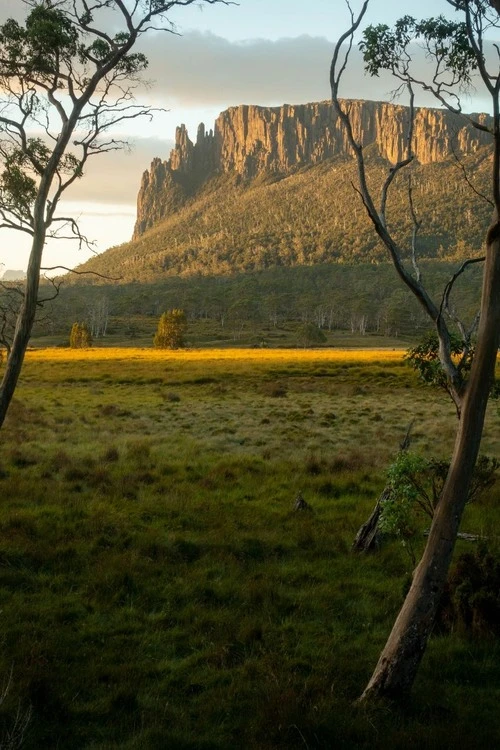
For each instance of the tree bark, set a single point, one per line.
(367, 538)
(399, 661)
(25, 320)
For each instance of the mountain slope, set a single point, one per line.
(274, 187)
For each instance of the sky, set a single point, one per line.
(265, 52)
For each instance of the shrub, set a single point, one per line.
(171, 330)
(80, 336)
(415, 485)
(309, 334)
(472, 598)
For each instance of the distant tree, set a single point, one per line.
(98, 317)
(171, 330)
(80, 336)
(309, 334)
(67, 76)
(457, 50)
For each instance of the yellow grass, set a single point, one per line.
(194, 355)
(333, 401)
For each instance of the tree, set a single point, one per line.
(171, 329)
(98, 317)
(80, 336)
(310, 335)
(63, 74)
(458, 51)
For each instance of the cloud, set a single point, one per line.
(203, 69)
(12, 9)
(199, 69)
(115, 177)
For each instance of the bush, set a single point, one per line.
(472, 599)
(416, 484)
(309, 334)
(80, 336)
(171, 329)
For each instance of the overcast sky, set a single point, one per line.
(258, 52)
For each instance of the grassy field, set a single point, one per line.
(157, 589)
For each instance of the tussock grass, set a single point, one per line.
(157, 588)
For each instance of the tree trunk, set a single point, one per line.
(367, 538)
(23, 326)
(399, 661)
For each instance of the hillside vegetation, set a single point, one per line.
(270, 306)
(308, 217)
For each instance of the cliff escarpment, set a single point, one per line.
(249, 141)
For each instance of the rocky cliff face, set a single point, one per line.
(251, 140)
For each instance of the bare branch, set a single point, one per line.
(82, 273)
(378, 219)
(403, 162)
(462, 168)
(445, 301)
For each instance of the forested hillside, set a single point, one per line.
(273, 187)
(312, 216)
(271, 305)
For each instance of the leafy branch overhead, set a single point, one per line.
(446, 41)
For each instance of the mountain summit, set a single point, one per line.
(250, 141)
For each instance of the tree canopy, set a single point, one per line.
(171, 330)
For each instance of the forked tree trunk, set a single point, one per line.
(399, 661)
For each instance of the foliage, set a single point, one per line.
(472, 598)
(415, 486)
(80, 336)
(424, 358)
(171, 330)
(447, 41)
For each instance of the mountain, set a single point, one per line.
(273, 186)
(10, 275)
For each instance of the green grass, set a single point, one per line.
(157, 589)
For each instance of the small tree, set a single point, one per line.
(414, 488)
(80, 336)
(171, 330)
(310, 335)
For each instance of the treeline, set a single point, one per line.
(361, 299)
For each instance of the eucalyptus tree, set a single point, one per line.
(458, 49)
(67, 76)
